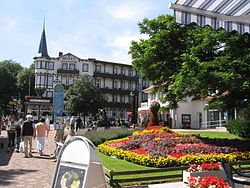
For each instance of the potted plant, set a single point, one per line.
(207, 182)
(205, 169)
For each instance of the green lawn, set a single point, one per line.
(120, 165)
(213, 134)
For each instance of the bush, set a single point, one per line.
(99, 137)
(239, 127)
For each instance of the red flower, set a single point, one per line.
(206, 182)
(204, 167)
(139, 151)
(154, 127)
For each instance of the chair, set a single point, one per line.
(230, 170)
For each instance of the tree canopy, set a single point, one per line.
(84, 97)
(8, 76)
(192, 61)
(26, 81)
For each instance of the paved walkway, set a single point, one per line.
(17, 171)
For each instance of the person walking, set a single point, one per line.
(27, 134)
(78, 123)
(18, 134)
(72, 123)
(11, 131)
(41, 130)
(47, 121)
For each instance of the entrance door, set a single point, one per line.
(199, 115)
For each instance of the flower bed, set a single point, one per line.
(207, 182)
(161, 147)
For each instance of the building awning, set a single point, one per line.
(228, 14)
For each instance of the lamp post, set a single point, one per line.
(134, 110)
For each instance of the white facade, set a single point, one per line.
(116, 81)
(191, 113)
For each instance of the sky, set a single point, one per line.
(100, 29)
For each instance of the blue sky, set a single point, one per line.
(101, 29)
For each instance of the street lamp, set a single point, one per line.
(133, 111)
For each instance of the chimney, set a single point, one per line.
(60, 54)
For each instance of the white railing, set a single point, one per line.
(209, 124)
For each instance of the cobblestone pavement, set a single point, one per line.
(17, 171)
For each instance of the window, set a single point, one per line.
(72, 66)
(123, 71)
(115, 98)
(50, 66)
(41, 64)
(65, 66)
(130, 85)
(64, 80)
(85, 67)
(71, 79)
(37, 79)
(115, 84)
(186, 120)
(98, 68)
(98, 83)
(122, 84)
(115, 70)
(122, 99)
(43, 80)
(49, 94)
(145, 83)
(130, 72)
(50, 80)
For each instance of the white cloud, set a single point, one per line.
(11, 23)
(132, 10)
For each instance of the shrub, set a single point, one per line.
(239, 127)
(99, 137)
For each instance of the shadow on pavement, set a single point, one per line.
(4, 155)
(7, 176)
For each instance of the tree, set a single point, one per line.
(26, 81)
(84, 97)
(184, 61)
(8, 76)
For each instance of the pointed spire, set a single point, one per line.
(43, 44)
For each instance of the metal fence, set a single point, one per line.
(213, 124)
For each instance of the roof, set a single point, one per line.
(43, 45)
(148, 89)
(229, 14)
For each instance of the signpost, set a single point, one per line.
(79, 165)
(58, 104)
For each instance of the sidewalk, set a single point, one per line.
(35, 172)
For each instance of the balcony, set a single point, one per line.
(118, 105)
(115, 76)
(63, 71)
(116, 90)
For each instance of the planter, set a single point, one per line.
(218, 173)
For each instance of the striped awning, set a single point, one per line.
(229, 14)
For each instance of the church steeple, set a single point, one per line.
(43, 44)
